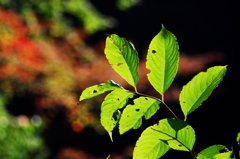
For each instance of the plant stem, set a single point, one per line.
(193, 154)
(135, 88)
(161, 102)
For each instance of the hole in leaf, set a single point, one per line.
(154, 51)
(224, 150)
(119, 64)
(114, 117)
(137, 110)
(94, 91)
(180, 145)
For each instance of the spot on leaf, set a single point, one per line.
(124, 46)
(184, 102)
(108, 35)
(119, 64)
(180, 145)
(146, 98)
(154, 51)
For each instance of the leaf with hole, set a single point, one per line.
(176, 133)
(132, 114)
(110, 114)
(162, 60)
(200, 88)
(96, 90)
(123, 58)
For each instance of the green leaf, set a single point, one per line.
(225, 155)
(99, 89)
(132, 114)
(200, 88)
(123, 58)
(108, 157)
(110, 115)
(149, 146)
(162, 60)
(210, 152)
(238, 139)
(176, 133)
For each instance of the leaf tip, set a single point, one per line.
(110, 135)
(162, 26)
(80, 99)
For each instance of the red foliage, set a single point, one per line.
(57, 69)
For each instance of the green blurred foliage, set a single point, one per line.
(127, 4)
(62, 14)
(20, 136)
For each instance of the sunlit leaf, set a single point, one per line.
(225, 155)
(98, 89)
(110, 115)
(162, 60)
(123, 58)
(200, 88)
(176, 133)
(149, 146)
(210, 152)
(238, 139)
(132, 114)
(108, 157)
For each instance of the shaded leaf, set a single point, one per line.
(200, 88)
(210, 152)
(149, 146)
(99, 89)
(132, 114)
(123, 58)
(162, 60)
(176, 133)
(110, 115)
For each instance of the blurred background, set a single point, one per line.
(51, 50)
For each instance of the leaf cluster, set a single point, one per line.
(162, 62)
